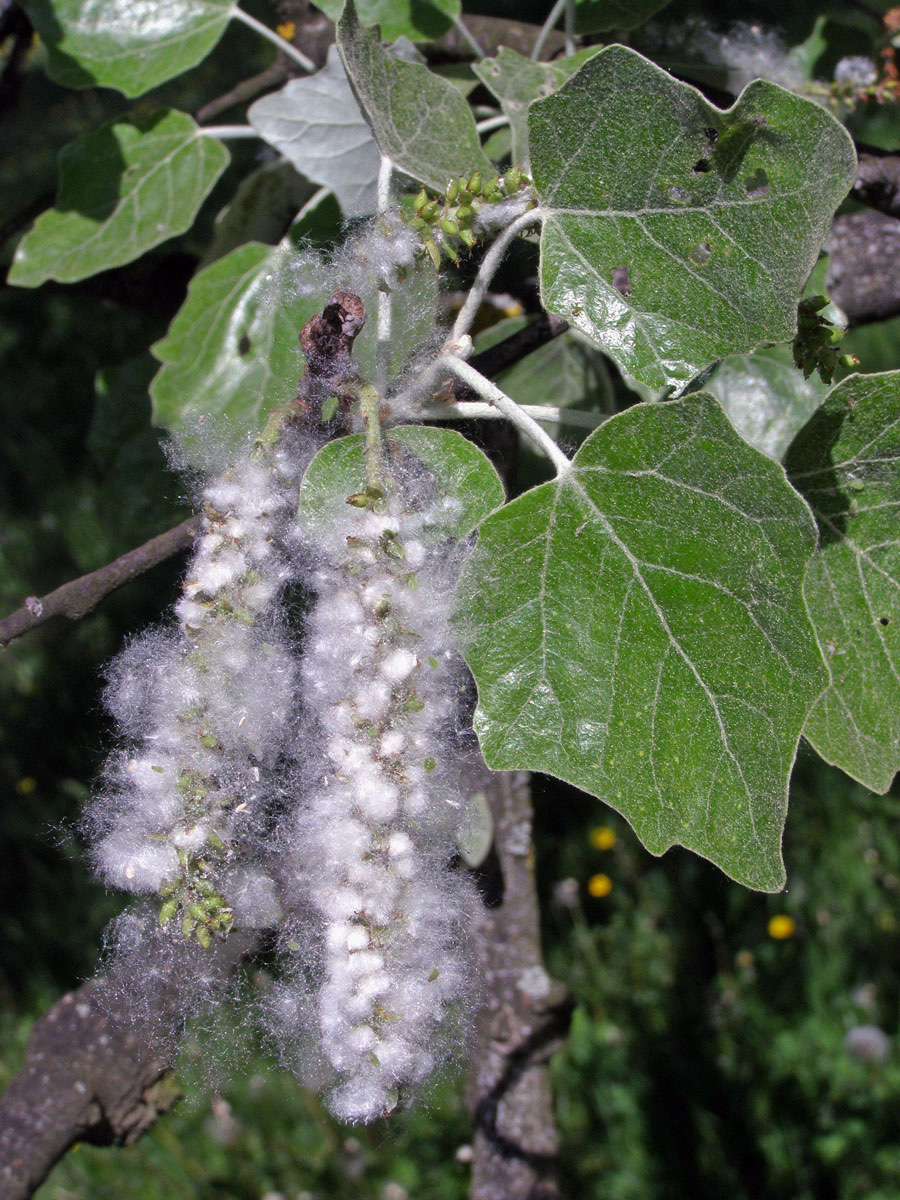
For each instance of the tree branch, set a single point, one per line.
(525, 1019)
(93, 1073)
(864, 266)
(878, 183)
(79, 597)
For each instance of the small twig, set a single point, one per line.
(468, 410)
(487, 270)
(547, 28)
(247, 89)
(492, 123)
(228, 132)
(469, 36)
(385, 299)
(76, 599)
(284, 46)
(510, 409)
(570, 26)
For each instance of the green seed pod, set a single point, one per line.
(467, 236)
(187, 926)
(434, 254)
(465, 213)
(474, 184)
(450, 227)
(452, 190)
(167, 911)
(511, 180)
(421, 200)
(203, 937)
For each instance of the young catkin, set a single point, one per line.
(202, 711)
(370, 843)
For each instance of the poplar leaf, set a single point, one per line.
(232, 348)
(637, 628)
(128, 46)
(674, 232)
(419, 120)
(846, 462)
(133, 183)
(766, 397)
(459, 471)
(516, 81)
(316, 124)
(594, 16)
(419, 20)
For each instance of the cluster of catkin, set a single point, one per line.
(305, 779)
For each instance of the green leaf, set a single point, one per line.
(675, 233)
(766, 397)
(846, 462)
(316, 124)
(637, 628)
(516, 81)
(420, 20)
(266, 202)
(119, 44)
(123, 189)
(232, 348)
(595, 16)
(420, 121)
(458, 469)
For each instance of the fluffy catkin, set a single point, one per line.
(369, 846)
(202, 711)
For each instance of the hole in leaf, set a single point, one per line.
(621, 281)
(702, 166)
(757, 184)
(884, 620)
(701, 254)
(711, 135)
(679, 194)
(243, 346)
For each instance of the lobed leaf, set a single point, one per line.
(133, 183)
(674, 232)
(419, 120)
(637, 628)
(316, 124)
(119, 44)
(846, 462)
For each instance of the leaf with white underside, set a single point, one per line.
(231, 350)
(637, 628)
(419, 120)
(316, 124)
(846, 462)
(766, 397)
(674, 232)
(516, 81)
(132, 184)
(120, 44)
(458, 471)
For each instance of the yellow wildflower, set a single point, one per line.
(602, 837)
(782, 927)
(286, 30)
(599, 886)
